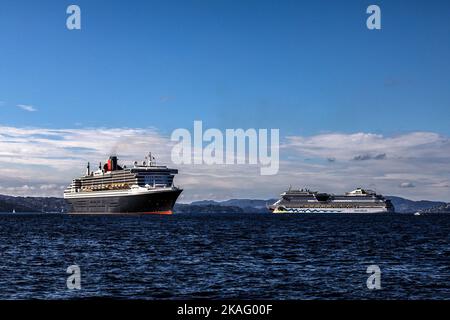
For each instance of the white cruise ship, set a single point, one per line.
(140, 189)
(307, 201)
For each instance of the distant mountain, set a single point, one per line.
(443, 208)
(205, 203)
(402, 205)
(32, 204)
(207, 208)
(247, 205)
(41, 204)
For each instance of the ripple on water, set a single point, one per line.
(225, 256)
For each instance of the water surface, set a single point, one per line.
(246, 256)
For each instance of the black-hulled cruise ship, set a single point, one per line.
(307, 201)
(144, 188)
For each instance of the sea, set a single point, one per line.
(225, 256)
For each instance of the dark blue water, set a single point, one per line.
(225, 256)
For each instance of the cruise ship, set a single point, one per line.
(143, 188)
(307, 201)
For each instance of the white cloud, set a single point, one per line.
(19, 189)
(442, 184)
(26, 107)
(407, 185)
(49, 187)
(348, 146)
(419, 158)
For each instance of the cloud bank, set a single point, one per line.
(42, 161)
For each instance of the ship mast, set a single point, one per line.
(151, 163)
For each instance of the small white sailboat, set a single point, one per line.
(14, 211)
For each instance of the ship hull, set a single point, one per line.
(154, 202)
(332, 210)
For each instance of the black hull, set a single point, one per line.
(149, 203)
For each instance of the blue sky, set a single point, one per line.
(339, 93)
(304, 67)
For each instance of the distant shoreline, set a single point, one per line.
(58, 205)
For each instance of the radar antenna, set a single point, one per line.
(151, 160)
